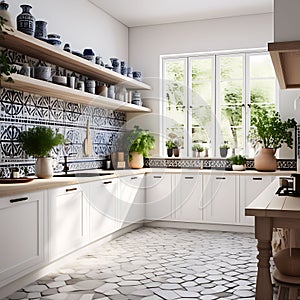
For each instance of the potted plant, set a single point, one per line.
(238, 162)
(197, 149)
(140, 142)
(38, 142)
(271, 133)
(177, 145)
(170, 146)
(224, 149)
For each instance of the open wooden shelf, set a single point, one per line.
(286, 60)
(28, 45)
(44, 88)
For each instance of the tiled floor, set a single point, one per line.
(156, 263)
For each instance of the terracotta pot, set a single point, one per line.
(44, 167)
(137, 160)
(265, 160)
(176, 152)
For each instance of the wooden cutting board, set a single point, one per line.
(87, 145)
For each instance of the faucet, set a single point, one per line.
(65, 163)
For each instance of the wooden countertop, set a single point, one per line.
(267, 204)
(41, 184)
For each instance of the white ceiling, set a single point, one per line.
(150, 12)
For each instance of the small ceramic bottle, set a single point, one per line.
(26, 21)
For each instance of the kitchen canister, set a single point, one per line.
(40, 30)
(111, 91)
(90, 86)
(25, 20)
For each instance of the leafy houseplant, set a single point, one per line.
(271, 133)
(197, 149)
(38, 142)
(238, 162)
(224, 149)
(170, 146)
(140, 143)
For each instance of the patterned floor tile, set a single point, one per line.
(156, 264)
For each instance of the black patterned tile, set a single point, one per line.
(11, 103)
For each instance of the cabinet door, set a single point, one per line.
(219, 200)
(131, 200)
(102, 198)
(21, 235)
(68, 215)
(187, 194)
(158, 196)
(250, 188)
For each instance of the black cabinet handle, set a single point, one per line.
(132, 178)
(156, 176)
(72, 189)
(220, 178)
(107, 182)
(18, 199)
(188, 177)
(256, 178)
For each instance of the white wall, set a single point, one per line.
(147, 43)
(81, 24)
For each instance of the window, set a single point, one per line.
(209, 99)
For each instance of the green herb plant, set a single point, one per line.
(170, 145)
(39, 141)
(269, 130)
(140, 141)
(198, 148)
(225, 145)
(238, 160)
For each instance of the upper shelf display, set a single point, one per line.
(28, 45)
(286, 61)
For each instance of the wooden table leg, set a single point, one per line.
(263, 234)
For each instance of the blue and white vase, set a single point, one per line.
(26, 21)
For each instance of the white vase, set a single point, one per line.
(44, 167)
(137, 160)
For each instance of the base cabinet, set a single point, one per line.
(250, 188)
(68, 220)
(159, 196)
(103, 208)
(131, 200)
(220, 201)
(187, 197)
(21, 235)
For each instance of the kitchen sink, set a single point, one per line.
(86, 174)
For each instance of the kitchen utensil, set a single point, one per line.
(88, 146)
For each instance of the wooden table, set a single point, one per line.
(270, 211)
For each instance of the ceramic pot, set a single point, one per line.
(170, 152)
(40, 30)
(223, 152)
(176, 152)
(44, 167)
(5, 14)
(26, 21)
(265, 160)
(238, 167)
(137, 160)
(43, 73)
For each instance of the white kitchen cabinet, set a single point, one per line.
(187, 197)
(21, 235)
(158, 196)
(68, 220)
(131, 200)
(220, 194)
(250, 188)
(103, 208)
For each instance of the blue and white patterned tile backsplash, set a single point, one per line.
(20, 111)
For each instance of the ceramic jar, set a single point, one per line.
(90, 86)
(111, 92)
(265, 160)
(5, 14)
(89, 55)
(43, 73)
(40, 30)
(26, 21)
(115, 64)
(137, 75)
